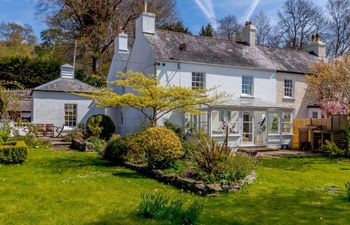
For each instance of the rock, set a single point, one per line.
(185, 182)
(200, 188)
(89, 147)
(214, 187)
(78, 144)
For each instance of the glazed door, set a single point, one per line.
(248, 127)
(260, 128)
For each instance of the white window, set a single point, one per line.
(315, 114)
(222, 120)
(70, 115)
(274, 126)
(198, 80)
(247, 85)
(198, 122)
(288, 88)
(286, 122)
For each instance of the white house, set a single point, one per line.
(267, 84)
(53, 104)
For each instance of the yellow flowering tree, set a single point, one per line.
(146, 95)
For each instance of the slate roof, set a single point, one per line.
(165, 45)
(65, 84)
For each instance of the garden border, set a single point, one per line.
(188, 184)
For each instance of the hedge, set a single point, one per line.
(13, 152)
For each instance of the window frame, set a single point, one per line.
(288, 89)
(228, 117)
(71, 120)
(251, 78)
(198, 84)
(290, 122)
(312, 114)
(270, 122)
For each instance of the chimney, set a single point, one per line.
(317, 47)
(146, 24)
(67, 71)
(248, 35)
(121, 43)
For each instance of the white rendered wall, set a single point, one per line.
(226, 79)
(48, 107)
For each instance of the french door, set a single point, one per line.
(248, 128)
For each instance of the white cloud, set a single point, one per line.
(249, 12)
(206, 6)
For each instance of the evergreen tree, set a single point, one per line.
(207, 30)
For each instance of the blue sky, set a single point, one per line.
(194, 13)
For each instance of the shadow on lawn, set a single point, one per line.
(131, 174)
(296, 164)
(73, 163)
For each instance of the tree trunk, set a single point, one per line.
(96, 64)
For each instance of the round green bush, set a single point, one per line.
(115, 151)
(101, 126)
(162, 147)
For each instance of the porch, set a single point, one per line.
(249, 123)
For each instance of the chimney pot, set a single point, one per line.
(249, 34)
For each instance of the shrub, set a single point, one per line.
(100, 126)
(159, 206)
(31, 141)
(162, 147)
(179, 131)
(5, 133)
(115, 151)
(13, 152)
(235, 168)
(209, 155)
(335, 151)
(347, 187)
(99, 144)
(75, 134)
(135, 151)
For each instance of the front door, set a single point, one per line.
(248, 122)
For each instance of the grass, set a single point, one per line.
(55, 187)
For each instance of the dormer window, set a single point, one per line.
(247, 85)
(288, 89)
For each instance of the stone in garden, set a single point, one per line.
(214, 187)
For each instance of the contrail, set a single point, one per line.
(248, 13)
(207, 8)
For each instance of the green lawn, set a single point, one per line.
(80, 188)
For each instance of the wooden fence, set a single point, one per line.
(298, 123)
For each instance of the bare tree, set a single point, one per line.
(298, 20)
(16, 34)
(275, 37)
(263, 28)
(338, 27)
(95, 23)
(228, 27)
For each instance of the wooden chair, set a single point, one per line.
(49, 130)
(59, 131)
(41, 129)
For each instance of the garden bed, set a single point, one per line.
(192, 185)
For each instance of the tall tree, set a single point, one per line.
(263, 28)
(17, 36)
(298, 20)
(207, 30)
(176, 27)
(95, 23)
(228, 27)
(338, 27)
(152, 99)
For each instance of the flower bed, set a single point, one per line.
(192, 185)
